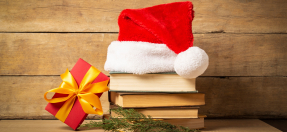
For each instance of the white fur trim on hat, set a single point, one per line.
(139, 57)
(144, 57)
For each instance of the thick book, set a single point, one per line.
(197, 123)
(192, 123)
(133, 100)
(166, 112)
(168, 82)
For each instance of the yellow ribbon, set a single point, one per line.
(85, 93)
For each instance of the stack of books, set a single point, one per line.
(165, 96)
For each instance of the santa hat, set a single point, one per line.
(157, 39)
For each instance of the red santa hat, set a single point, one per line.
(157, 39)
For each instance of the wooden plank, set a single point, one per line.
(246, 125)
(22, 97)
(244, 54)
(232, 16)
(233, 97)
(52, 53)
(244, 97)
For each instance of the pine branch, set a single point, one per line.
(131, 120)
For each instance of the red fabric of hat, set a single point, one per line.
(168, 24)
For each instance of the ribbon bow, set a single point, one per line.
(85, 93)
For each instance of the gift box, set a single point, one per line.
(75, 102)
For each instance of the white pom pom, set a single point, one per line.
(191, 63)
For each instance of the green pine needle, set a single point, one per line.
(133, 121)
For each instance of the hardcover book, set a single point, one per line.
(166, 112)
(197, 123)
(156, 99)
(164, 82)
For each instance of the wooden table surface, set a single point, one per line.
(212, 125)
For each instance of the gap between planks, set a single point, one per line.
(212, 32)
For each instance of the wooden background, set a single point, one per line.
(246, 41)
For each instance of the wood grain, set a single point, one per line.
(233, 97)
(232, 16)
(53, 53)
(40, 126)
(244, 54)
(245, 41)
(244, 97)
(22, 97)
(239, 125)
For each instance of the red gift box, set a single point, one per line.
(77, 114)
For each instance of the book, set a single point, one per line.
(197, 123)
(156, 99)
(166, 112)
(167, 82)
(192, 123)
